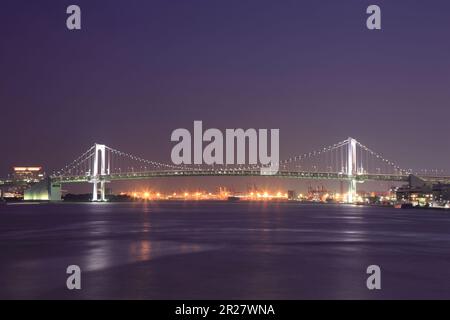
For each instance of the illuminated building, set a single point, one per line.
(417, 192)
(44, 190)
(291, 195)
(28, 174)
(22, 178)
(441, 193)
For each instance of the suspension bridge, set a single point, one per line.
(348, 161)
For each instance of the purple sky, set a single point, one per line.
(139, 69)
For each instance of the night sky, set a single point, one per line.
(140, 69)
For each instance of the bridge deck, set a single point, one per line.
(234, 173)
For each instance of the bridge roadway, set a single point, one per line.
(235, 173)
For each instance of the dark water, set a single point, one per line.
(218, 250)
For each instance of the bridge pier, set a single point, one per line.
(95, 191)
(351, 195)
(351, 167)
(102, 191)
(99, 160)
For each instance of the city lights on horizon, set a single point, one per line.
(260, 195)
(204, 195)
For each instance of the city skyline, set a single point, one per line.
(134, 73)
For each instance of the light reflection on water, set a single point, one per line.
(224, 250)
(106, 254)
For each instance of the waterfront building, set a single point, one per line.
(21, 178)
(28, 174)
(441, 194)
(422, 193)
(291, 194)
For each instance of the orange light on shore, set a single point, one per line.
(205, 195)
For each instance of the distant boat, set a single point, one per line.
(233, 198)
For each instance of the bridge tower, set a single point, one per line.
(351, 169)
(96, 176)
